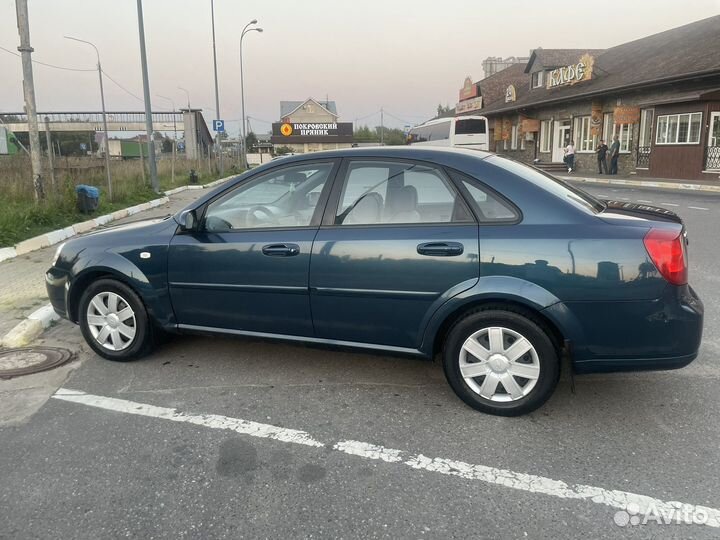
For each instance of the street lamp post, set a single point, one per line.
(242, 89)
(187, 94)
(104, 115)
(172, 169)
(218, 147)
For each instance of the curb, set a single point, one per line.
(644, 184)
(57, 236)
(30, 328)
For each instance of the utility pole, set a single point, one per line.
(48, 140)
(218, 147)
(29, 92)
(382, 127)
(148, 106)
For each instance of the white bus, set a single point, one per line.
(461, 131)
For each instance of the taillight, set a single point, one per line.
(667, 251)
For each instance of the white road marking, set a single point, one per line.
(644, 201)
(669, 204)
(214, 421)
(623, 198)
(490, 475)
(698, 208)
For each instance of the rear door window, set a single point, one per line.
(398, 192)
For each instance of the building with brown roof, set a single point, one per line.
(660, 95)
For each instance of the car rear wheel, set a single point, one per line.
(501, 362)
(114, 321)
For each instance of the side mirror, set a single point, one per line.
(188, 220)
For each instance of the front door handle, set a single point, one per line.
(281, 250)
(441, 249)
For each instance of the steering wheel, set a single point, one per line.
(268, 215)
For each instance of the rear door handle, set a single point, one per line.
(281, 250)
(441, 249)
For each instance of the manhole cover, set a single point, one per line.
(16, 362)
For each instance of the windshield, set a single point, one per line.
(556, 186)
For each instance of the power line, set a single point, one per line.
(400, 119)
(46, 64)
(122, 87)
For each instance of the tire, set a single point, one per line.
(126, 336)
(475, 377)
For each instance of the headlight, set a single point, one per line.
(57, 253)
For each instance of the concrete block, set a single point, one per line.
(31, 244)
(119, 214)
(107, 218)
(84, 226)
(23, 334)
(7, 253)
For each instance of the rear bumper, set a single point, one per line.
(57, 284)
(659, 334)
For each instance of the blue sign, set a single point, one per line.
(219, 125)
(83, 146)
(181, 146)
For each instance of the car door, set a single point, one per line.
(246, 267)
(397, 241)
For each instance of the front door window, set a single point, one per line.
(284, 198)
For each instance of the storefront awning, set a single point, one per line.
(710, 93)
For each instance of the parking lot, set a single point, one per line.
(216, 436)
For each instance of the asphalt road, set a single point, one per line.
(387, 451)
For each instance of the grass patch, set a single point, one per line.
(22, 218)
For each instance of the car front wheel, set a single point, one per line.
(114, 321)
(501, 362)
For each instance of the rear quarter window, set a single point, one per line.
(557, 187)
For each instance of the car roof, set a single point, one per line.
(426, 153)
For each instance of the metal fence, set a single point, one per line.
(643, 157)
(712, 158)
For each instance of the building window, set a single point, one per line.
(678, 128)
(623, 131)
(536, 79)
(545, 136)
(583, 138)
(514, 137)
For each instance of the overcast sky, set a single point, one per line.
(406, 56)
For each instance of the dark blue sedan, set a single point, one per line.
(504, 271)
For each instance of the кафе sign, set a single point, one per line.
(572, 74)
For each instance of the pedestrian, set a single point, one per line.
(601, 151)
(614, 154)
(570, 156)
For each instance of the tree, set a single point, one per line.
(251, 141)
(365, 134)
(443, 109)
(282, 150)
(167, 145)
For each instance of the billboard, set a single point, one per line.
(311, 132)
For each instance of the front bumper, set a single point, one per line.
(57, 283)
